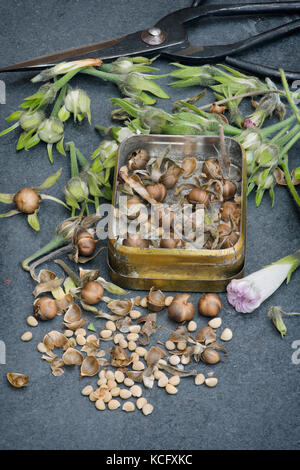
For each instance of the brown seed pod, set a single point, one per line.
(92, 292)
(136, 241)
(230, 240)
(229, 189)
(189, 165)
(17, 380)
(155, 300)
(206, 335)
(157, 191)
(180, 310)
(209, 305)
(27, 200)
(85, 243)
(45, 308)
(199, 196)
(170, 243)
(230, 209)
(138, 159)
(210, 356)
(133, 207)
(170, 177)
(212, 169)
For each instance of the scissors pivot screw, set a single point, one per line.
(153, 36)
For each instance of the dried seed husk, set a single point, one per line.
(73, 314)
(71, 357)
(175, 371)
(64, 303)
(119, 357)
(154, 355)
(89, 367)
(124, 324)
(17, 380)
(206, 335)
(155, 300)
(47, 282)
(120, 307)
(138, 159)
(212, 169)
(189, 165)
(55, 339)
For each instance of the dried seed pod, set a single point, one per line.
(135, 241)
(134, 205)
(147, 409)
(180, 310)
(17, 380)
(45, 308)
(73, 314)
(209, 305)
(212, 169)
(89, 367)
(229, 189)
(199, 196)
(138, 159)
(157, 191)
(206, 335)
(230, 209)
(170, 243)
(210, 356)
(170, 177)
(92, 292)
(189, 165)
(226, 334)
(155, 300)
(86, 243)
(71, 357)
(27, 200)
(211, 381)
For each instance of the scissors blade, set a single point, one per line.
(130, 44)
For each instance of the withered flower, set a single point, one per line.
(17, 380)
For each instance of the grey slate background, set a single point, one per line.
(256, 403)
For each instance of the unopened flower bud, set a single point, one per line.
(51, 130)
(31, 121)
(78, 103)
(76, 191)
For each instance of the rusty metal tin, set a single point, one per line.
(179, 269)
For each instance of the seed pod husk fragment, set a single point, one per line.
(206, 335)
(180, 309)
(89, 367)
(17, 380)
(155, 300)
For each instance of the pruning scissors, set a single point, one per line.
(169, 38)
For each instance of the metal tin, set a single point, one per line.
(179, 269)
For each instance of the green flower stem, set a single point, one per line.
(65, 79)
(111, 77)
(59, 101)
(55, 243)
(283, 140)
(96, 204)
(275, 127)
(288, 94)
(81, 158)
(73, 157)
(277, 138)
(284, 165)
(287, 147)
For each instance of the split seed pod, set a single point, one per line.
(199, 196)
(138, 159)
(170, 177)
(27, 200)
(209, 305)
(230, 209)
(212, 169)
(120, 307)
(92, 292)
(189, 165)
(180, 310)
(210, 356)
(72, 357)
(229, 189)
(157, 191)
(155, 300)
(45, 308)
(89, 367)
(206, 335)
(134, 205)
(17, 380)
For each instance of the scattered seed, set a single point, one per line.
(117, 338)
(215, 322)
(181, 345)
(141, 351)
(124, 393)
(141, 402)
(128, 382)
(119, 376)
(147, 409)
(107, 397)
(135, 357)
(102, 374)
(175, 380)
(100, 405)
(91, 338)
(31, 321)
(41, 348)
(68, 333)
(144, 302)
(226, 335)
(110, 375)
(111, 384)
(105, 334)
(171, 389)
(136, 391)
(115, 392)
(102, 382)
(87, 390)
(132, 337)
(80, 331)
(138, 365)
(93, 396)
(170, 345)
(27, 336)
(135, 314)
(80, 340)
(168, 300)
(113, 404)
(110, 325)
(131, 345)
(163, 381)
(128, 406)
(185, 360)
(123, 343)
(199, 379)
(135, 329)
(174, 360)
(192, 326)
(211, 381)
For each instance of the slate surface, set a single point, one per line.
(256, 404)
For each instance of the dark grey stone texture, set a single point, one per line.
(256, 403)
